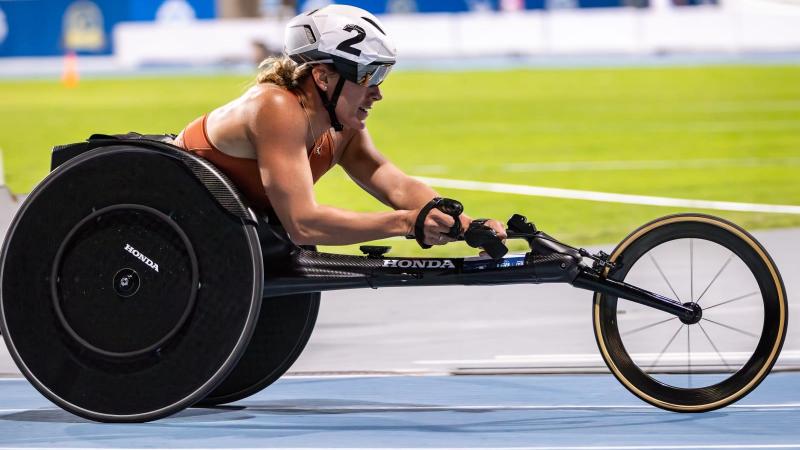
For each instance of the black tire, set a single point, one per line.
(284, 327)
(127, 291)
(739, 336)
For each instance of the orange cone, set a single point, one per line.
(70, 75)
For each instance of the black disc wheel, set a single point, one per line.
(128, 291)
(726, 276)
(283, 330)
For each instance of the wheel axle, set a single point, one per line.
(695, 317)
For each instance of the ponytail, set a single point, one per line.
(282, 71)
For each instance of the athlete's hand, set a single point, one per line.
(496, 226)
(437, 224)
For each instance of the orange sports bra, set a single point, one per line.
(244, 171)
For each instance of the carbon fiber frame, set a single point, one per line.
(311, 271)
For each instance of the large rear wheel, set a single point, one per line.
(284, 327)
(128, 291)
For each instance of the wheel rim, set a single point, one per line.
(116, 378)
(702, 366)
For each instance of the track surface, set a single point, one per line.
(554, 411)
(444, 330)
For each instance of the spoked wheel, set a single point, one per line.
(715, 267)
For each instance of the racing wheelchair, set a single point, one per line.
(135, 281)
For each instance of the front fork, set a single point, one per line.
(589, 279)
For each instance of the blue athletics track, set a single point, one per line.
(435, 331)
(457, 412)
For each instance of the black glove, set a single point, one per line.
(480, 235)
(452, 208)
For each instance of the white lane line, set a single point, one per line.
(621, 165)
(788, 356)
(654, 164)
(615, 447)
(566, 447)
(470, 408)
(466, 408)
(538, 191)
(356, 374)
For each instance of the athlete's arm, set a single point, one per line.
(377, 175)
(386, 182)
(276, 127)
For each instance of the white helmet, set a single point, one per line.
(350, 38)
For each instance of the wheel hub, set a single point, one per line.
(697, 314)
(126, 282)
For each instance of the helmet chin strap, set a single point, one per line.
(330, 105)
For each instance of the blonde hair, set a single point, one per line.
(282, 71)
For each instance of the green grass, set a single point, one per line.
(472, 125)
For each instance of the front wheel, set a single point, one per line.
(717, 267)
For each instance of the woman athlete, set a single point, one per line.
(306, 113)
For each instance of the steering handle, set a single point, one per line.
(480, 235)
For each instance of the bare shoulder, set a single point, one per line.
(269, 106)
(273, 119)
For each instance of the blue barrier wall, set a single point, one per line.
(395, 6)
(54, 27)
(427, 6)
